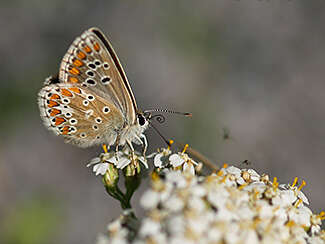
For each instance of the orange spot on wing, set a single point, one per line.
(74, 71)
(66, 92)
(65, 130)
(59, 120)
(75, 90)
(87, 49)
(96, 47)
(78, 63)
(55, 96)
(81, 55)
(52, 103)
(54, 112)
(73, 79)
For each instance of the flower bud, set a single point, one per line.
(111, 176)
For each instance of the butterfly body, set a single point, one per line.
(91, 102)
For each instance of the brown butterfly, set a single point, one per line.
(91, 101)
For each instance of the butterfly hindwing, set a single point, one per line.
(79, 115)
(91, 62)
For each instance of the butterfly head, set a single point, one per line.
(143, 119)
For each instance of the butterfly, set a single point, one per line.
(90, 101)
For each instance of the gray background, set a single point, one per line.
(252, 68)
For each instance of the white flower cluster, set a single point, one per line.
(231, 206)
(120, 160)
(177, 161)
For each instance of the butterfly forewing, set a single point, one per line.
(82, 117)
(92, 63)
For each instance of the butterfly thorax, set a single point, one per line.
(133, 133)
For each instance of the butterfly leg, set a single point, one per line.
(117, 142)
(131, 148)
(145, 145)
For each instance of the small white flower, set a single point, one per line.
(174, 204)
(176, 224)
(302, 196)
(183, 208)
(150, 199)
(176, 160)
(235, 174)
(254, 175)
(100, 164)
(101, 168)
(149, 228)
(158, 159)
(176, 179)
(182, 159)
(122, 162)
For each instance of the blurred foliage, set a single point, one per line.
(34, 221)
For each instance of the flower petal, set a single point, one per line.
(188, 167)
(122, 162)
(176, 160)
(93, 161)
(157, 160)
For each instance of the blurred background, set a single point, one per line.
(251, 72)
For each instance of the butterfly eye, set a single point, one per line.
(141, 120)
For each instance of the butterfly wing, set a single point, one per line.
(79, 115)
(92, 62)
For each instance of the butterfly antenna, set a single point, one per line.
(168, 111)
(158, 132)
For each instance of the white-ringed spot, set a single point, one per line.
(66, 100)
(91, 82)
(106, 110)
(106, 65)
(90, 73)
(73, 129)
(98, 120)
(106, 80)
(68, 115)
(83, 135)
(85, 103)
(95, 127)
(90, 98)
(97, 62)
(91, 65)
(97, 137)
(73, 121)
